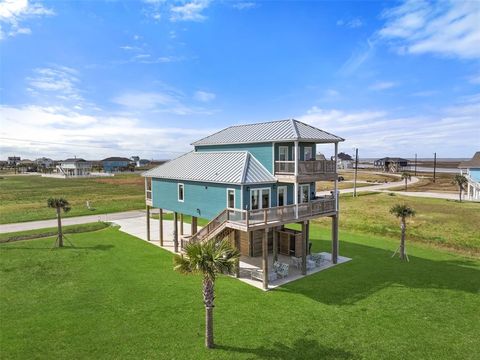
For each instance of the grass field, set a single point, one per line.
(24, 198)
(443, 183)
(47, 232)
(117, 297)
(439, 222)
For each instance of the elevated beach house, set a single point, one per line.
(471, 170)
(250, 181)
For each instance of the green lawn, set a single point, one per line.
(116, 297)
(439, 222)
(24, 198)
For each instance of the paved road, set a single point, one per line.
(376, 187)
(31, 225)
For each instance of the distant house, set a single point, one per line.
(13, 160)
(345, 161)
(26, 165)
(44, 162)
(471, 170)
(74, 167)
(115, 164)
(390, 164)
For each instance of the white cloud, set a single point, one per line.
(189, 11)
(45, 129)
(382, 85)
(13, 12)
(59, 81)
(170, 102)
(244, 5)
(352, 23)
(204, 96)
(448, 28)
(451, 131)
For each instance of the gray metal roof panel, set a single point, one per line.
(282, 130)
(214, 166)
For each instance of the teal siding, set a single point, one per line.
(210, 199)
(114, 166)
(475, 174)
(261, 151)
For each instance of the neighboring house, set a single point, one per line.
(393, 165)
(344, 161)
(13, 160)
(115, 164)
(26, 165)
(44, 162)
(139, 162)
(250, 181)
(74, 167)
(471, 170)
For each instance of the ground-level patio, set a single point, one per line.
(138, 228)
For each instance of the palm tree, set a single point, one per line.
(407, 177)
(403, 212)
(59, 204)
(460, 181)
(208, 258)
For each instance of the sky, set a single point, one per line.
(94, 79)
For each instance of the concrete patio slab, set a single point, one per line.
(137, 227)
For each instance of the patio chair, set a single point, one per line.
(296, 261)
(318, 258)
(258, 275)
(282, 270)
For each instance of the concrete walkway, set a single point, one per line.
(32, 225)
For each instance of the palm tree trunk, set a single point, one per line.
(406, 184)
(208, 298)
(402, 241)
(460, 194)
(60, 235)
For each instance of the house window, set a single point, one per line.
(303, 193)
(231, 198)
(181, 192)
(282, 196)
(307, 153)
(259, 198)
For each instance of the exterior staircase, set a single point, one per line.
(217, 227)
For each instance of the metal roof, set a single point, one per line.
(472, 163)
(229, 167)
(282, 130)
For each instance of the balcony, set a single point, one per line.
(311, 170)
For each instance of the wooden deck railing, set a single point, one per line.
(249, 219)
(310, 167)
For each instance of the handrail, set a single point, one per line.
(305, 167)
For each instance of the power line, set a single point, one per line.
(87, 146)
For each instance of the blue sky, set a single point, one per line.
(96, 79)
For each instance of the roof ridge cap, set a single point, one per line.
(294, 125)
(245, 167)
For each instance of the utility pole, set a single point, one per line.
(355, 174)
(434, 167)
(415, 164)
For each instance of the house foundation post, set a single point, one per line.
(335, 238)
(148, 223)
(181, 224)
(265, 259)
(160, 225)
(194, 225)
(307, 239)
(275, 245)
(175, 231)
(236, 237)
(304, 248)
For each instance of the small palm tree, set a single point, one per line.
(460, 181)
(407, 177)
(59, 204)
(208, 258)
(402, 212)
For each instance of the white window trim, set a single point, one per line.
(234, 200)
(300, 192)
(260, 198)
(178, 192)
(285, 200)
(311, 152)
(280, 147)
